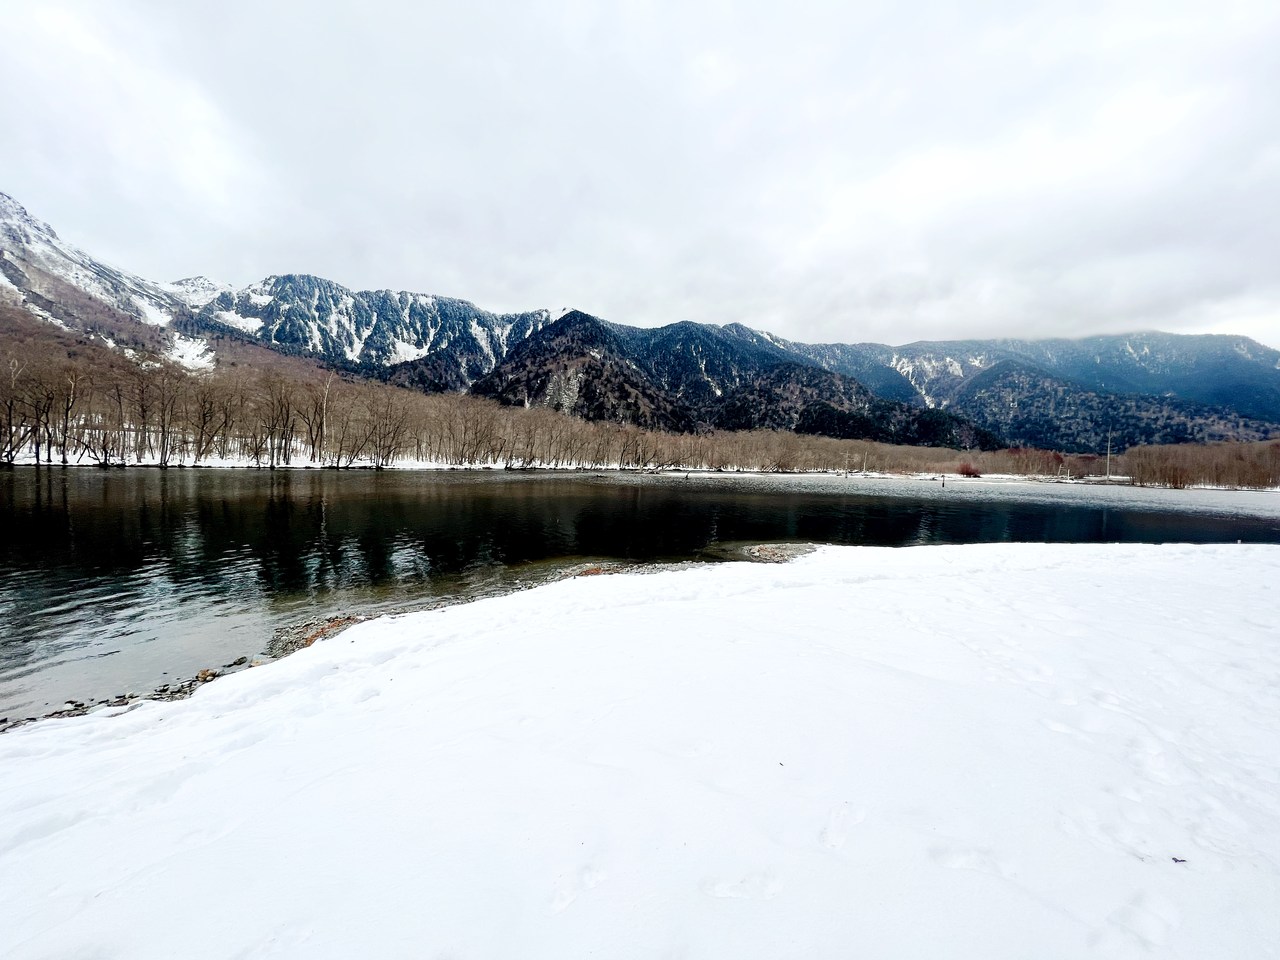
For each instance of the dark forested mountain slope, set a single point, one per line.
(688, 376)
(1212, 369)
(582, 366)
(1205, 369)
(868, 363)
(808, 399)
(1068, 394)
(1023, 402)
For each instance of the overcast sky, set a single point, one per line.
(846, 171)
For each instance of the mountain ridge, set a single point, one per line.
(1139, 387)
(688, 376)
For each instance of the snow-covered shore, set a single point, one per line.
(302, 464)
(1004, 750)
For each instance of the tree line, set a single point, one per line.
(57, 409)
(1253, 466)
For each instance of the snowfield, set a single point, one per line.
(990, 751)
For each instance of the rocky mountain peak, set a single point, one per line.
(197, 291)
(18, 226)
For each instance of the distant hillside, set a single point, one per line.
(1025, 403)
(1215, 370)
(688, 376)
(1070, 394)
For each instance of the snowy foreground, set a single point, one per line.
(991, 751)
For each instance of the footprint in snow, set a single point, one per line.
(760, 886)
(1144, 919)
(979, 859)
(839, 821)
(573, 885)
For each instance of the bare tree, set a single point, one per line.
(16, 426)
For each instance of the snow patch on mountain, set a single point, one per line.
(191, 352)
(352, 352)
(38, 311)
(479, 335)
(768, 337)
(149, 313)
(232, 319)
(910, 369)
(934, 375)
(402, 352)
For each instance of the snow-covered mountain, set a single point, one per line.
(60, 283)
(197, 291)
(1058, 394)
(1069, 394)
(436, 342)
(1210, 369)
(38, 264)
(370, 328)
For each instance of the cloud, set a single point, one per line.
(104, 133)
(829, 171)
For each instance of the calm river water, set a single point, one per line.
(118, 581)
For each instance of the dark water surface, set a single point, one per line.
(115, 581)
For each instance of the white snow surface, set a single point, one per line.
(5, 283)
(231, 319)
(191, 352)
(149, 313)
(990, 751)
(402, 351)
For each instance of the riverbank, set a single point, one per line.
(299, 635)
(430, 466)
(995, 751)
(133, 581)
